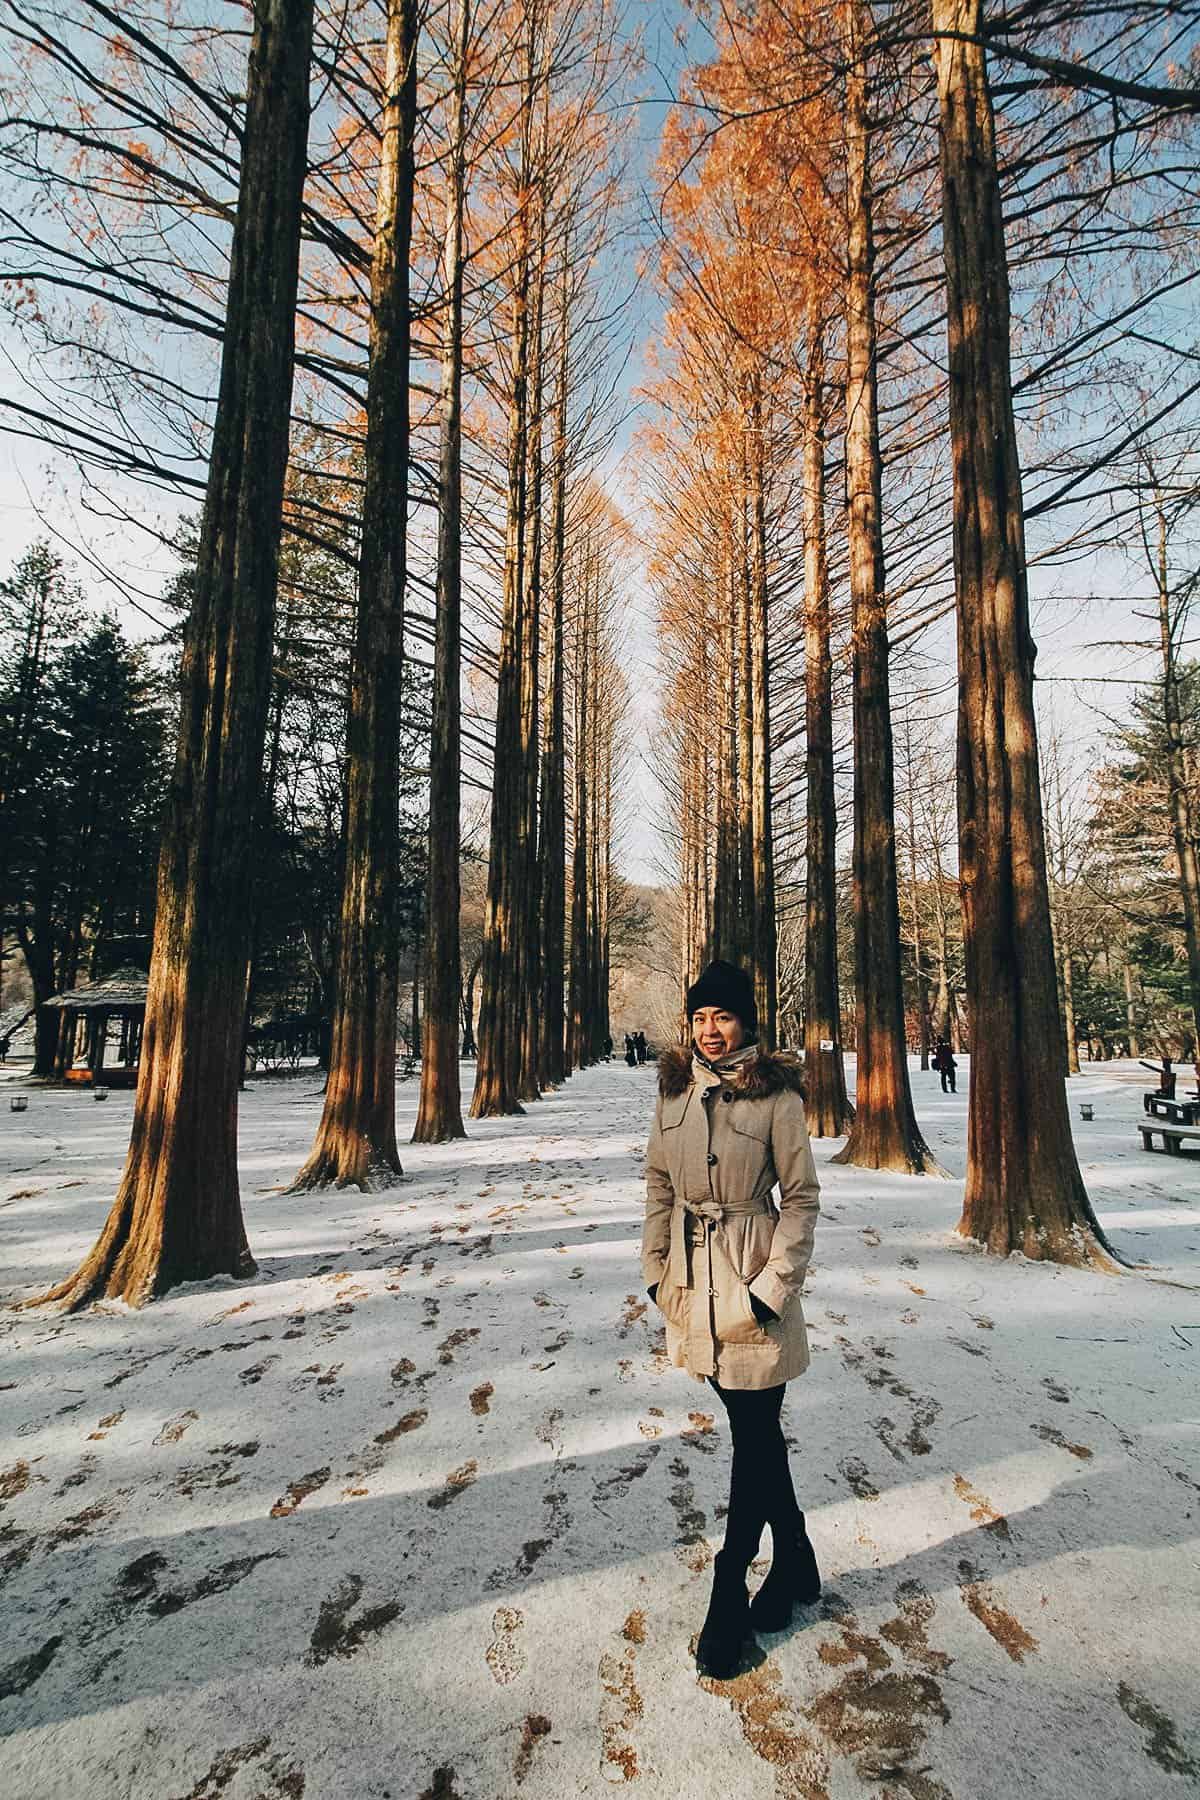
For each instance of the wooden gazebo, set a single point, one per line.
(120, 996)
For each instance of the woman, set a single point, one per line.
(725, 1268)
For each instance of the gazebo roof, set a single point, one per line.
(123, 989)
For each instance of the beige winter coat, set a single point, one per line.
(713, 1235)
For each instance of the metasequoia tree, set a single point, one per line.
(552, 1051)
(884, 1134)
(356, 1138)
(1173, 608)
(597, 702)
(728, 399)
(498, 1075)
(560, 199)
(439, 1115)
(177, 1214)
(826, 1102)
(1024, 1190)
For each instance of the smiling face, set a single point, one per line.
(717, 1033)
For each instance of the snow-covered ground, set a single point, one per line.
(421, 1513)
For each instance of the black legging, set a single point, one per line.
(760, 1481)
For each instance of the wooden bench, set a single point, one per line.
(1179, 1112)
(1171, 1135)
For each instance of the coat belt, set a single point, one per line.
(701, 1336)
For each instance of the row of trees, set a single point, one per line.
(414, 341)
(843, 347)
(83, 730)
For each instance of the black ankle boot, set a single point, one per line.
(726, 1623)
(793, 1580)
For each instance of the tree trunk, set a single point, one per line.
(922, 985)
(439, 1114)
(723, 942)
(580, 857)
(829, 1110)
(531, 605)
(763, 862)
(1023, 1186)
(469, 1046)
(1179, 800)
(355, 1145)
(884, 1134)
(1068, 995)
(745, 936)
(596, 847)
(1131, 1011)
(552, 831)
(498, 1068)
(177, 1214)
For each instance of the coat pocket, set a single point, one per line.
(671, 1299)
(757, 1230)
(733, 1315)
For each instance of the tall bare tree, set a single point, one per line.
(829, 1109)
(355, 1143)
(884, 1134)
(439, 1115)
(177, 1215)
(1024, 1190)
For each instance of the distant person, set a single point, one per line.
(630, 1051)
(608, 1049)
(944, 1063)
(639, 1044)
(725, 1269)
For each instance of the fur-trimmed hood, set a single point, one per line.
(769, 1072)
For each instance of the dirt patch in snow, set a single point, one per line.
(1000, 1624)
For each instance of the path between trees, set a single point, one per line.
(421, 1512)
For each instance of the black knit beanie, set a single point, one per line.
(730, 988)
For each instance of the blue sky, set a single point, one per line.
(1082, 661)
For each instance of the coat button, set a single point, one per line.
(727, 1096)
(711, 1157)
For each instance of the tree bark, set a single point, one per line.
(1130, 1011)
(531, 628)
(884, 1134)
(355, 1145)
(439, 1114)
(1179, 799)
(746, 945)
(552, 830)
(725, 873)
(921, 982)
(763, 930)
(829, 1110)
(501, 1012)
(1023, 1186)
(177, 1214)
(580, 853)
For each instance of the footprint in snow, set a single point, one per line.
(457, 1482)
(298, 1492)
(174, 1429)
(105, 1425)
(857, 1478)
(249, 1377)
(621, 1704)
(505, 1655)
(1049, 1435)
